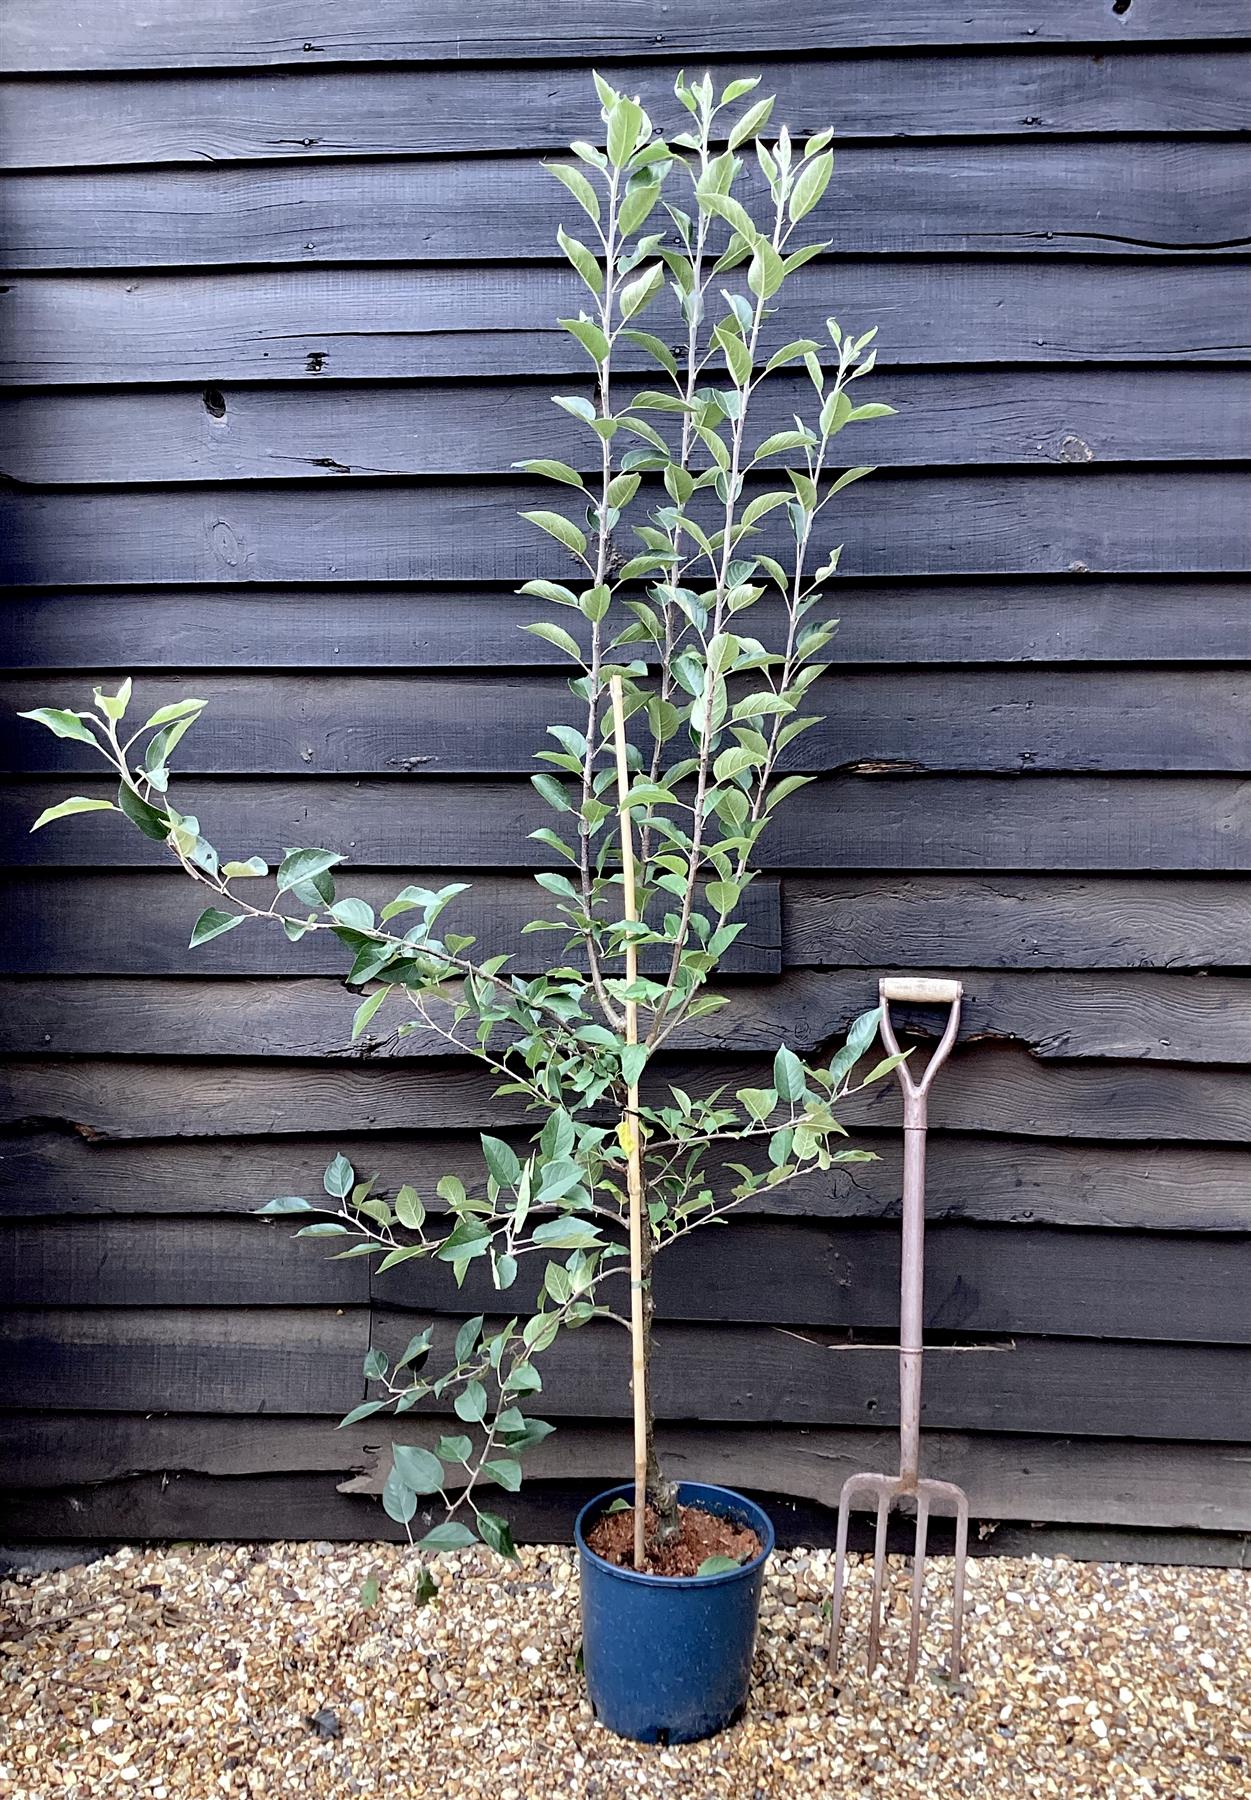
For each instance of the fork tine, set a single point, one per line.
(879, 1571)
(918, 1584)
(957, 1598)
(840, 1575)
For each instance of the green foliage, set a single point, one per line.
(671, 544)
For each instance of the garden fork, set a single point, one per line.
(909, 1482)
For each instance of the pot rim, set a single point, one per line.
(643, 1577)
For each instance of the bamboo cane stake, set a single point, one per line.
(634, 1152)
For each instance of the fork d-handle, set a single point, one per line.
(927, 991)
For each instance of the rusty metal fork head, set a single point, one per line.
(929, 1495)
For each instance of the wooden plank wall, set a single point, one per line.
(278, 320)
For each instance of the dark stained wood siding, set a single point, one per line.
(279, 318)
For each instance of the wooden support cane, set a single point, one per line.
(634, 1151)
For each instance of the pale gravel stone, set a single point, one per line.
(195, 1672)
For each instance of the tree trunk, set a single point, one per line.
(661, 1492)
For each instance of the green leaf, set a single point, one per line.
(861, 1034)
(365, 1410)
(369, 1591)
(339, 1178)
(417, 1468)
(589, 335)
(240, 871)
(846, 479)
(471, 1404)
(788, 1075)
(376, 1365)
(152, 824)
(554, 634)
(299, 866)
(563, 530)
(767, 271)
(788, 353)
(113, 706)
(548, 590)
(177, 709)
(501, 1160)
(567, 1234)
(398, 1501)
(66, 808)
(813, 180)
(578, 186)
(752, 122)
(625, 122)
(467, 1339)
(718, 1565)
(636, 294)
(885, 1067)
(408, 1208)
(505, 1471)
(366, 1010)
(212, 923)
(496, 1535)
(454, 1449)
(62, 724)
(633, 1062)
(285, 1203)
(551, 790)
(450, 1535)
(552, 470)
(587, 264)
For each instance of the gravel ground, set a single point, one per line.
(207, 1670)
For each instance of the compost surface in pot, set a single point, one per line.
(701, 1534)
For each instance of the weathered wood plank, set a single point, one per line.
(271, 1360)
(1082, 520)
(985, 721)
(59, 919)
(346, 430)
(391, 324)
(1019, 922)
(177, 1262)
(1084, 198)
(301, 1507)
(242, 33)
(908, 822)
(1097, 1481)
(1070, 619)
(65, 922)
(781, 1376)
(385, 112)
(997, 1089)
(802, 1273)
(991, 1180)
(307, 1359)
(1161, 1018)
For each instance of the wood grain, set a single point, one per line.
(1084, 199)
(1076, 522)
(1067, 619)
(349, 431)
(1077, 823)
(1161, 1018)
(1100, 1481)
(985, 721)
(795, 1272)
(987, 1088)
(241, 33)
(226, 117)
(295, 1359)
(392, 324)
(986, 1179)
